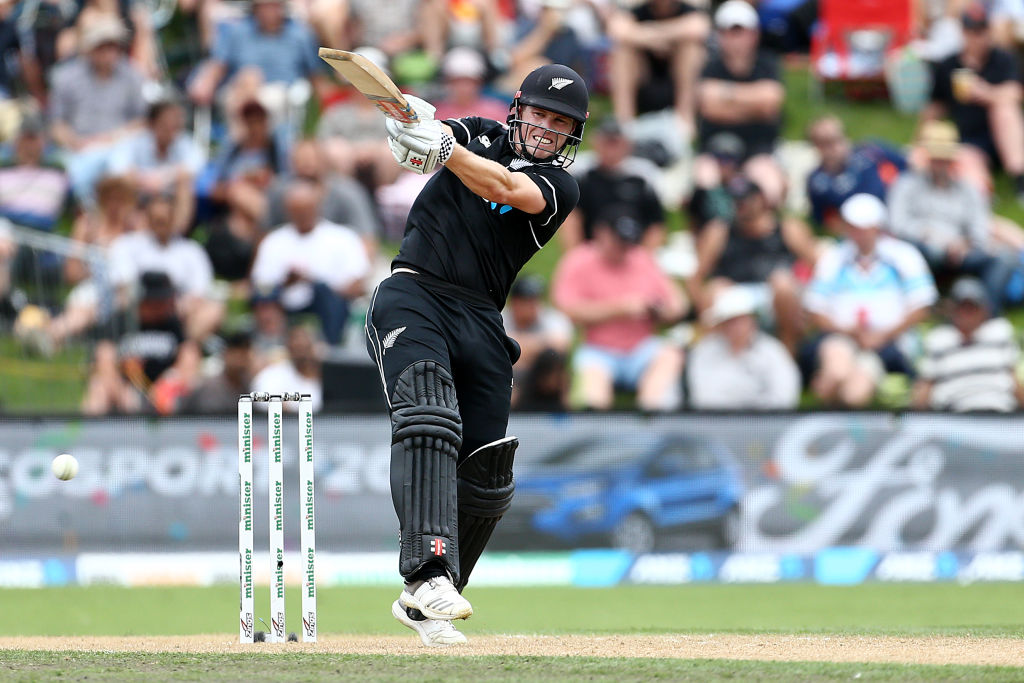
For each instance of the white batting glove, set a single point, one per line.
(420, 148)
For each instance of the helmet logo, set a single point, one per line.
(559, 83)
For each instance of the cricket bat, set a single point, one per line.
(370, 79)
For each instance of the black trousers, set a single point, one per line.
(413, 318)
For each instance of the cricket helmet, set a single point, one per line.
(556, 88)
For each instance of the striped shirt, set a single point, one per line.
(879, 292)
(971, 374)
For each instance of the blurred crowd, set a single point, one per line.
(230, 203)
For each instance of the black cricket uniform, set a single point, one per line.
(465, 253)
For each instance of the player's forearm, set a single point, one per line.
(483, 177)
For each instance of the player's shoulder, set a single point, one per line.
(469, 129)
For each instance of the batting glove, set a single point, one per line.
(420, 148)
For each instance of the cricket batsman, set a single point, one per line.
(434, 327)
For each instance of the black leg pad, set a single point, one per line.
(486, 487)
(426, 436)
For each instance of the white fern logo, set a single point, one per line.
(390, 338)
(559, 83)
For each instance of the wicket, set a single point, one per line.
(275, 488)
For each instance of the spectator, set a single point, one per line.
(464, 70)
(134, 16)
(345, 201)
(218, 394)
(741, 92)
(314, 265)
(96, 102)
(91, 300)
(657, 52)
(267, 47)
(33, 190)
(29, 43)
(535, 326)
(846, 169)
(756, 252)
(242, 174)
(865, 294)
(616, 292)
(614, 181)
(152, 366)
(300, 371)
(737, 366)
(946, 218)
(553, 31)
(971, 363)
(715, 203)
(545, 386)
(980, 89)
(163, 159)
(477, 24)
(397, 29)
(159, 249)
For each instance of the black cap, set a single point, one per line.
(623, 222)
(969, 290)
(727, 146)
(974, 17)
(253, 107)
(741, 187)
(527, 287)
(557, 88)
(156, 285)
(239, 339)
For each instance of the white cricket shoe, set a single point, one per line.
(433, 632)
(437, 598)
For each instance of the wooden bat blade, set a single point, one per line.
(370, 79)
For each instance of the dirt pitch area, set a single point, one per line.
(815, 648)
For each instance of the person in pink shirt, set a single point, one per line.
(615, 291)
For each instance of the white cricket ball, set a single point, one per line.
(64, 466)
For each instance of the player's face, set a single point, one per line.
(543, 143)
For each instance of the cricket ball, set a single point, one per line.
(64, 466)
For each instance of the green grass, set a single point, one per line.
(32, 384)
(981, 609)
(34, 666)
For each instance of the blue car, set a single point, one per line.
(629, 491)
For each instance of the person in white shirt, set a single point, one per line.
(312, 265)
(300, 371)
(970, 364)
(737, 366)
(159, 248)
(865, 294)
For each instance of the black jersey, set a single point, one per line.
(461, 238)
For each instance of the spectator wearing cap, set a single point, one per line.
(845, 170)
(741, 92)
(757, 252)
(736, 366)
(947, 218)
(33, 188)
(158, 247)
(715, 203)
(217, 393)
(980, 90)
(96, 101)
(970, 363)
(865, 294)
(617, 179)
(534, 325)
(163, 159)
(151, 367)
(313, 265)
(265, 47)
(140, 39)
(242, 172)
(464, 69)
(345, 201)
(614, 290)
(657, 52)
